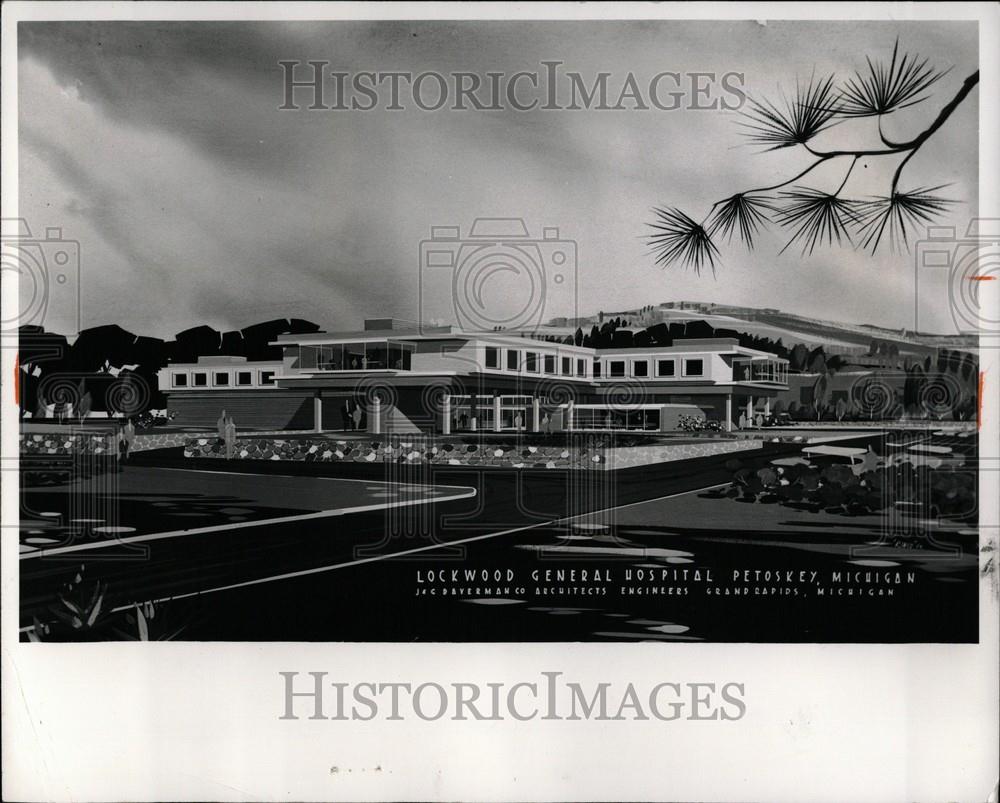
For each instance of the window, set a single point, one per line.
(513, 359)
(200, 379)
(581, 368)
(640, 368)
(616, 368)
(180, 380)
(376, 356)
(401, 356)
(221, 379)
(353, 356)
(665, 367)
(492, 357)
(597, 369)
(531, 362)
(694, 367)
(599, 417)
(244, 378)
(330, 357)
(566, 366)
(267, 377)
(550, 364)
(307, 357)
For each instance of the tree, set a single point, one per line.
(970, 366)
(798, 358)
(840, 409)
(659, 334)
(892, 351)
(699, 328)
(835, 362)
(622, 339)
(578, 337)
(911, 390)
(821, 395)
(811, 215)
(817, 361)
(83, 408)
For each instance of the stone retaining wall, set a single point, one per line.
(456, 453)
(67, 443)
(57, 458)
(159, 440)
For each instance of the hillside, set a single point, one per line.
(775, 324)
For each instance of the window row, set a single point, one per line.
(607, 418)
(372, 355)
(534, 362)
(766, 370)
(665, 368)
(221, 379)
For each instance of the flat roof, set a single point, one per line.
(428, 333)
(217, 361)
(424, 333)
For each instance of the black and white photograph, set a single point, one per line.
(485, 331)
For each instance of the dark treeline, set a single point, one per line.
(615, 334)
(108, 368)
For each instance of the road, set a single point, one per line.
(306, 575)
(503, 501)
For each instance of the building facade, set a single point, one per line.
(389, 378)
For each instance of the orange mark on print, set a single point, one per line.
(979, 401)
(17, 380)
(982, 278)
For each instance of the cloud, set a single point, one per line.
(160, 146)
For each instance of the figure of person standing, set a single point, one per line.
(356, 416)
(128, 436)
(220, 426)
(230, 438)
(122, 449)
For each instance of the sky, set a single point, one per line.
(161, 149)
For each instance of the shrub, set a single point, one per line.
(862, 488)
(693, 423)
